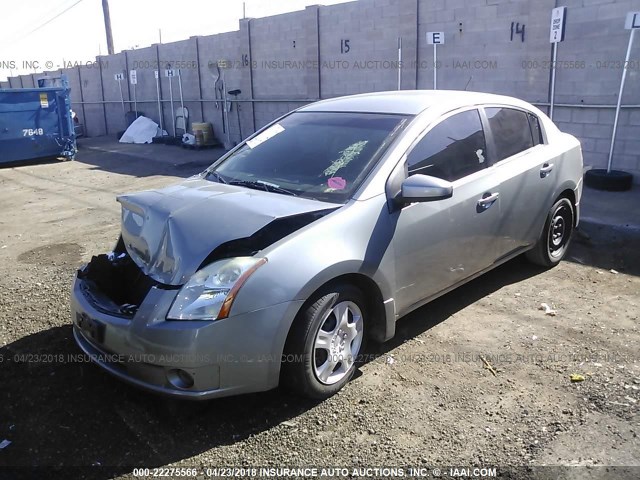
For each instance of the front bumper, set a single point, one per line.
(240, 354)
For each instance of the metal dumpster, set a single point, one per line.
(36, 122)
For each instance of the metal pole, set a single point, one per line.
(399, 63)
(104, 105)
(159, 102)
(173, 113)
(107, 25)
(135, 100)
(553, 79)
(121, 96)
(199, 71)
(184, 120)
(225, 112)
(624, 77)
(180, 87)
(435, 66)
(84, 114)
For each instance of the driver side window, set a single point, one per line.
(453, 149)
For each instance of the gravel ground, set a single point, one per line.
(424, 398)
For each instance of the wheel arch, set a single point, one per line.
(381, 325)
(570, 194)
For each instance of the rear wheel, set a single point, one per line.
(553, 243)
(324, 343)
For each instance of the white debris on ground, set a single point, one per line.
(547, 310)
(142, 130)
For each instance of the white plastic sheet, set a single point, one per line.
(142, 130)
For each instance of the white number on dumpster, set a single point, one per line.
(30, 132)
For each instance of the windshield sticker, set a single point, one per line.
(337, 183)
(266, 135)
(480, 155)
(346, 156)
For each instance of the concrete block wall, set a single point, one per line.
(282, 62)
(94, 112)
(145, 62)
(27, 81)
(480, 51)
(225, 50)
(359, 46)
(111, 89)
(179, 55)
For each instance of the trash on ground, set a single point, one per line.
(547, 310)
(615, 272)
(142, 130)
(288, 423)
(576, 377)
(4, 444)
(188, 139)
(391, 360)
(488, 366)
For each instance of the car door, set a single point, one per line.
(438, 244)
(523, 164)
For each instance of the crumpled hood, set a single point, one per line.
(169, 232)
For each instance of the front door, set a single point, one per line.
(438, 244)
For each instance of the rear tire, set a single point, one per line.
(554, 241)
(321, 353)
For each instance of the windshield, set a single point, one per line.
(320, 155)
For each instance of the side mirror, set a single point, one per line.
(423, 188)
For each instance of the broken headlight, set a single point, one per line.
(210, 292)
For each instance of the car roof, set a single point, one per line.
(409, 102)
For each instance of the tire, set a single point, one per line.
(554, 241)
(335, 319)
(613, 181)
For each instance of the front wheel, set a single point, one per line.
(552, 245)
(324, 343)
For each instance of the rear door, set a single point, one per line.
(438, 244)
(525, 168)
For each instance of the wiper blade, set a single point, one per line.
(215, 175)
(260, 185)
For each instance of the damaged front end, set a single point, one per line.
(172, 232)
(114, 284)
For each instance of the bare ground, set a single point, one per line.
(424, 398)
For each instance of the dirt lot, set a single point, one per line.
(427, 398)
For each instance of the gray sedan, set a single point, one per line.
(274, 265)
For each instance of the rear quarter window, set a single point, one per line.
(536, 130)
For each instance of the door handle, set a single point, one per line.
(546, 169)
(486, 202)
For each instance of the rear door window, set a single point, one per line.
(511, 131)
(453, 149)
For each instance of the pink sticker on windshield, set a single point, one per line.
(338, 183)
